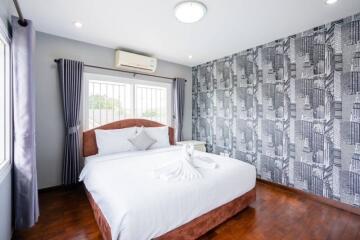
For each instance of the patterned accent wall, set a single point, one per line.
(290, 107)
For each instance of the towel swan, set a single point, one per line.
(187, 168)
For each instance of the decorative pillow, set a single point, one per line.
(142, 141)
(114, 140)
(160, 134)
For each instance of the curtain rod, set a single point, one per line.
(21, 21)
(124, 71)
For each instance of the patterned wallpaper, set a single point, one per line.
(290, 107)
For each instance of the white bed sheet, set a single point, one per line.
(138, 206)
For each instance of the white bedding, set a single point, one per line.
(139, 206)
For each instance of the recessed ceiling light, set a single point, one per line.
(190, 56)
(329, 2)
(78, 24)
(190, 11)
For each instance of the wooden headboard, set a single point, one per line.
(89, 139)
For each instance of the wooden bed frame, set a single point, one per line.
(191, 230)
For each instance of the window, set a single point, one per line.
(5, 115)
(110, 98)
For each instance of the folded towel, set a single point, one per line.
(204, 162)
(178, 170)
(186, 168)
(181, 169)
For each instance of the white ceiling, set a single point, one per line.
(149, 26)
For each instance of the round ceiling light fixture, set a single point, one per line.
(330, 2)
(77, 24)
(190, 11)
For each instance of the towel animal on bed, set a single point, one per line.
(186, 168)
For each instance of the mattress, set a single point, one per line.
(139, 206)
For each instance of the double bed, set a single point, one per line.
(130, 203)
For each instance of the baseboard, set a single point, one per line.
(327, 201)
(59, 187)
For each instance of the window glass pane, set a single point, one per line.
(2, 103)
(107, 102)
(151, 103)
(110, 98)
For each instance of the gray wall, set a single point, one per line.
(5, 208)
(5, 10)
(49, 123)
(5, 183)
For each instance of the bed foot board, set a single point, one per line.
(201, 225)
(191, 230)
(104, 227)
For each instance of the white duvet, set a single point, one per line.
(139, 206)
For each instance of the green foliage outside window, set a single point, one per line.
(149, 114)
(103, 102)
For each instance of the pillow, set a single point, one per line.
(142, 140)
(114, 141)
(160, 134)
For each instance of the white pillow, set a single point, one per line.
(115, 140)
(160, 134)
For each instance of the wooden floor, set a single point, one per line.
(277, 214)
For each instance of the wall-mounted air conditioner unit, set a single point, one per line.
(135, 62)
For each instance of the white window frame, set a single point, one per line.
(6, 163)
(122, 79)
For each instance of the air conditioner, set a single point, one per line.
(135, 62)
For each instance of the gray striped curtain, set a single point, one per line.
(71, 75)
(179, 102)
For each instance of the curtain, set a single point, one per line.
(26, 206)
(70, 75)
(179, 101)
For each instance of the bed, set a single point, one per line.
(129, 203)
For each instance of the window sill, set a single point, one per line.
(4, 171)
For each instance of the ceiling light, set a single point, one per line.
(329, 2)
(78, 24)
(190, 11)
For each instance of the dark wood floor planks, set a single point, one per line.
(277, 214)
